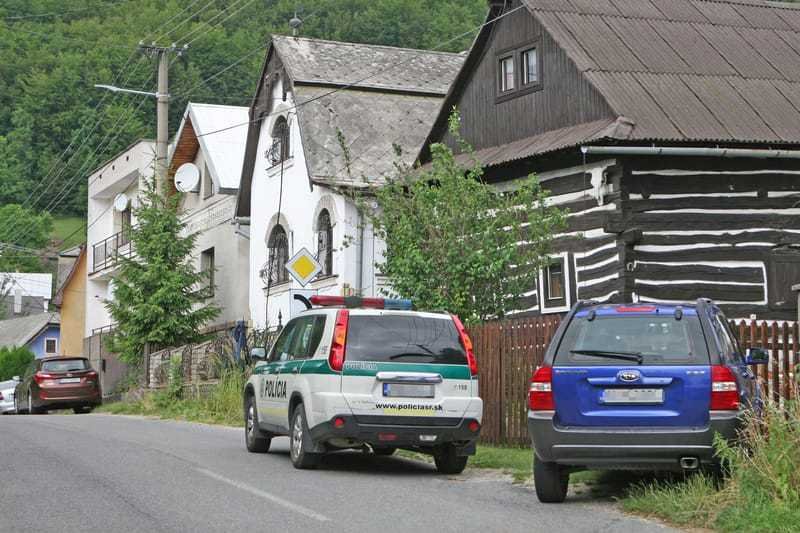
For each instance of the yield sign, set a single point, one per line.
(303, 267)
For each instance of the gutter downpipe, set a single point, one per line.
(693, 152)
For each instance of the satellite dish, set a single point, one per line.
(121, 202)
(187, 178)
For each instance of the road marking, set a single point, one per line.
(267, 496)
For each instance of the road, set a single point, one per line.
(66, 473)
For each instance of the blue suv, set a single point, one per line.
(637, 386)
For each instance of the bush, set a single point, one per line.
(761, 487)
(14, 361)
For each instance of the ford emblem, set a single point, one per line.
(629, 376)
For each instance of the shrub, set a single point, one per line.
(14, 361)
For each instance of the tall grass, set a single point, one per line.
(759, 492)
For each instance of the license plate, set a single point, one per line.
(633, 396)
(69, 380)
(408, 390)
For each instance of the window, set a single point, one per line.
(555, 281)
(307, 335)
(65, 365)
(51, 346)
(125, 226)
(207, 267)
(208, 183)
(554, 285)
(530, 67)
(278, 245)
(280, 350)
(280, 142)
(325, 242)
(507, 74)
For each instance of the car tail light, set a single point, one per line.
(540, 396)
(91, 376)
(724, 391)
(473, 426)
(466, 342)
(39, 377)
(338, 422)
(339, 344)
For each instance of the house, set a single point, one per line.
(208, 205)
(70, 301)
(39, 333)
(669, 129)
(326, 119)
(25, 293)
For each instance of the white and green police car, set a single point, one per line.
(366, 373)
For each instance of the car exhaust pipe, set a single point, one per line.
(690, 463)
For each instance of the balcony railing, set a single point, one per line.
(106, 253)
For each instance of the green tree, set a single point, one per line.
(159, 298)
(21, 232)
(14, 361)
(455, 242)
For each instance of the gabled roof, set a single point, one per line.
(317, 61)
(224, 150)
(20, 331)
(687, 70)
(79, 252)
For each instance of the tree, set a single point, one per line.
(455, 242)
(22, 231)
(159, 298)
(14, 361)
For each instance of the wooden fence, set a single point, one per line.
(508, 351)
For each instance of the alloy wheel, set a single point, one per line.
(250, 421)
(297, 436)
(30, 403)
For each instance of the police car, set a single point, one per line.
(370, 374)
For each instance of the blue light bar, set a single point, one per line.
(398, 304)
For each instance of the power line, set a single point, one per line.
(370, 76)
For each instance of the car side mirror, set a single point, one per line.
(258, 354)
(757, 356)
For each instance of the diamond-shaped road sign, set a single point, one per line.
(303, 267)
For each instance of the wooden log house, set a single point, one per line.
(670, 130)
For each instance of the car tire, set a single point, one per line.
(300, 441)
(384, 451)
(82, 410)
(448, 461)
(31, 409)
(255, 440)
(551, 481)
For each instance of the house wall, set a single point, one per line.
(209, 213)
(73, 311)
(565, 98)
(300, 205)
(37, 345)
(723, 229)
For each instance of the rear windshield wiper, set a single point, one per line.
(411, 354)
(624, 356)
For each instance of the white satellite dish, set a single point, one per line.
(187, 178)
(121, 202)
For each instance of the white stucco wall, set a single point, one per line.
(301, 204)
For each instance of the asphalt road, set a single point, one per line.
(67, 473)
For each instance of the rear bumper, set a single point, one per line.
(63, 398)
(400, 432)
(656, 448)
(6, 407)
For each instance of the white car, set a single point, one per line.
(366, 373)
(7, 396)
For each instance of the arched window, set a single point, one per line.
(278, 245)
(325, 242)
(280, 141)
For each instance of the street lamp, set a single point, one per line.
(115, 89)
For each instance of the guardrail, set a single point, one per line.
(107, 252)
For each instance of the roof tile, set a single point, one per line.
(651, 49)
(791, 17)
(561, 34)
(719, 13)
(597, 39)
(761, 17)
(693, 48)
(779, 54)
(737, 51)
(680, 10)
(770, 104)
(595, 7)
(637, 8)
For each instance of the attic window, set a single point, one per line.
(506, 71)
(530, 67)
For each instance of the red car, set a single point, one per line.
(58, 383)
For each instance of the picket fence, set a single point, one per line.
(508, 351)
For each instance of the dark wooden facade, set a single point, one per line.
(640, 229)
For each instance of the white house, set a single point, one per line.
(25, 294)
(328, 117)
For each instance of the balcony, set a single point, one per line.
(106, 253)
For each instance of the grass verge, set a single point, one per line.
(68, 226)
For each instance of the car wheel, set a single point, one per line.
(255, 439)
(31, 409)
(448, 461)
(300, 441)
(384, 451)
(82, 410)
(551, 481)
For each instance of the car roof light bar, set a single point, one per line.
(398, 304)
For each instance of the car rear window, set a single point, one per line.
(65, 365)
(660, 340)
(404, 339)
